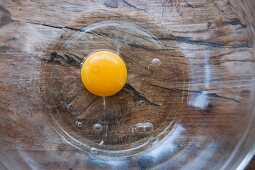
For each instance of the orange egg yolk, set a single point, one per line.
(104, 73)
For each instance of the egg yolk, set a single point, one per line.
(104, 73)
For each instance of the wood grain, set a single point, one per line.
(39, 78)
(251, 166)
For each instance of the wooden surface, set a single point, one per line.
(39, 78)
(251, 166)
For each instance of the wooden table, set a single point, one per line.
(251, 165)
(31, 48)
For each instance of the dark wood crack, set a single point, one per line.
(136, 95)
(178, 38)
(59, 59)
(132, 6)
(212, 44)
(215, 95)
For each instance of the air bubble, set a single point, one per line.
(143, 128)
(79, 124)
(140, 129)
(156, 61)
(148, 129)
(69, 108)
(97, 127)
(93, 151)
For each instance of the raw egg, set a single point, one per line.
(104, 73)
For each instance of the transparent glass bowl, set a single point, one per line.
(188, 102)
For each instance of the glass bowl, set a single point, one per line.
(188, 102)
